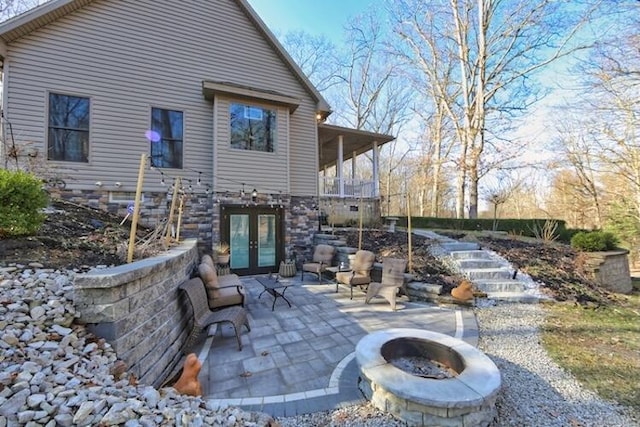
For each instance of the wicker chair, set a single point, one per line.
(392, 280)
(322, 257)
(360, 274)
(204, 317)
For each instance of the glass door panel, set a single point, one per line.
(255, 236)
(239, 240)
(266, 240)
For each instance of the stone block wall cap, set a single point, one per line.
(109, 277)
(611, 252)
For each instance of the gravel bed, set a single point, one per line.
(535, 390)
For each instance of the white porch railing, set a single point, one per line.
(330, 187)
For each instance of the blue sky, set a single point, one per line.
(325, 17)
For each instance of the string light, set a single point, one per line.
(208, 189)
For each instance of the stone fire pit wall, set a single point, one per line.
(138, 309)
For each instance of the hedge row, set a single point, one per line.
(523, 227)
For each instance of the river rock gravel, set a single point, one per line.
(54, 373)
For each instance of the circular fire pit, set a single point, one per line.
(427, 378)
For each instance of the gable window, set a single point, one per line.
(68, 136)
(166, 141)
(253, 128)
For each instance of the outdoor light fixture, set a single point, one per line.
(98, 183)
(118, 184)
(254, 194)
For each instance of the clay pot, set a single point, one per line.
(463, 292)
(188, 382)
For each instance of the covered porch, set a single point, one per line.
(341, 153)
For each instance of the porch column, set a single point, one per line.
(352, 184)
(375, 160)
(339, 165)
(353, 166)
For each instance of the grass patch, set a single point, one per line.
(600, 347)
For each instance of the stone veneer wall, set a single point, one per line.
(611, 270)
(138, 309)
(301, 223)
(196, 217)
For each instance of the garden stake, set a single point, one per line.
(176, 185)
(136, 209)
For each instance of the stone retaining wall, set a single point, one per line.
(611, 270)
(137, 308)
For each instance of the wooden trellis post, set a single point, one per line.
(136, 209)
(176, 186)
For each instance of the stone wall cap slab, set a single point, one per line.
(114, 276)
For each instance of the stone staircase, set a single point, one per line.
(488, 271)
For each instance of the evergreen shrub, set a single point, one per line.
(21, 202)
(594, 241)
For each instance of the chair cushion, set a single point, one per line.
(222, 291)
(363, 262)
(314, 267)
(206, 259)
(323, 253)
(226, 297)
(208, 275)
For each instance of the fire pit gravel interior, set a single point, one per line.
(465, 399)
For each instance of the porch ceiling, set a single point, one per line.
(359, 141)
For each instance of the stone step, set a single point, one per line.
(499, 285)
(514, 297)
(346, 250)
(474, 254)
(459, 246)
(488, 273)
(425, 288)
(470, 263)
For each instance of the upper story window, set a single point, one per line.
(166, 141)
(68, 136)
(253, 128)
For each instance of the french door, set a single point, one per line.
(255, 236)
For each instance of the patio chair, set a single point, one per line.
(203, 316)
(360, 274)
(221, 291)
(322, 257)
(392, 280)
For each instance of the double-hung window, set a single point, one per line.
(167, 127)
(68, 136)
(253, 128)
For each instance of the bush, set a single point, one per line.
(21, 203)
(594, 241)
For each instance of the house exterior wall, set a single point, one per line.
(128, 56)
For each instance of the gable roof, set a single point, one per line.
(39, 16)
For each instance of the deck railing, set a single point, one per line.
(330, 187)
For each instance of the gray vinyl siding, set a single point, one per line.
(130, 55)
(267, 172)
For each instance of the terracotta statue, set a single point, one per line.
(463, 292)
(188, 382)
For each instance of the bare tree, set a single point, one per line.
(497, 45)
(11, 8)
(317, 56)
